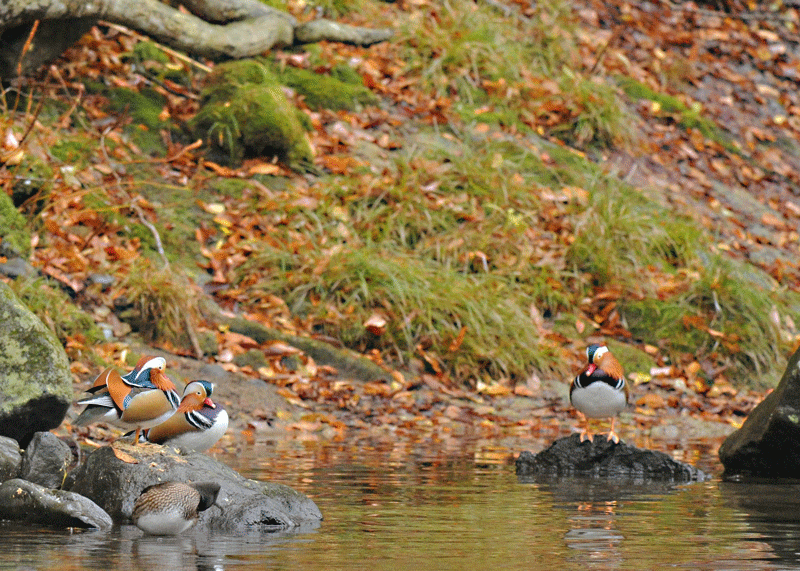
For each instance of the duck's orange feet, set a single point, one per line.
(612, 436)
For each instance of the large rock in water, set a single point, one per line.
(768, 443)
(114, 476)
(21, 500)
(569, 456)
(35, 380)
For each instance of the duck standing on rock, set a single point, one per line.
(170, 508)
(599, 390)
(197, 424)
(140, 399)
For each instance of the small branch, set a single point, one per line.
(27, 46)
(143, 220)
(192, 335)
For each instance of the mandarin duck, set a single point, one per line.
(139, 376)
(197, 424)
(599, 390)
(141, 399)
(170, 508)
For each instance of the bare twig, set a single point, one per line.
(159, 246)
(26, 48)
(192, 335)
(176, 54)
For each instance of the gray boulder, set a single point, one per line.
(768, 443)
(601, 458)
(35, 380)
(21, 500)
(10, 458)
(114, 476)
(46, 460)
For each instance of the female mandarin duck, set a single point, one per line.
(600, 390)
(171, 508)
(197, 424)
(142, 398)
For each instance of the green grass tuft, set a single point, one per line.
(56, 310)
(425, 303)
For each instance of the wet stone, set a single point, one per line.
(601, 458)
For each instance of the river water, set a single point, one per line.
(417, 504)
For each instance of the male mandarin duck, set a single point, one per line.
(139, 376)
(197, 424)
(142, 398)
(170, 508)
(599, 390)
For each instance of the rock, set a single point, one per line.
(35, 380)
(10, 458)
(768, 443)
(46, 460)
(569, 456)
(21, 500)
(114, 476)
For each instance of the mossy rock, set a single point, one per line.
(341, 90)
(246, 113)
(13, 227)
(53, 306)
(35, 379)
(231, 75)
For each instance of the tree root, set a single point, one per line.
(216, 29)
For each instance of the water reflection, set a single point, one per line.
(398, 505)
(770, 512)
(126, 547)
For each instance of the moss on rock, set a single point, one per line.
(35, 380)
(245, 113)
(13, 227)
(341, 90)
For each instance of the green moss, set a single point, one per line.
(32, 359)
(246, 114)
(13, 227)
(227, 77)
(252, 358)
(148, 51)
(143, 106)
(232, 187)
(634, 359)
(346, 74)
(686, 117)
(74, 151)
(57, 310)
(327, 91)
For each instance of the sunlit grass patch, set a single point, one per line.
(621, 233)
(521, 73)
(597, 117)
(163, 303)
(425, 304)
(729, 310)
